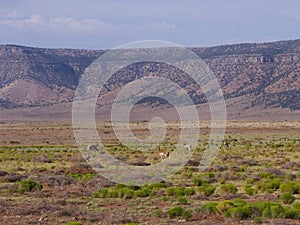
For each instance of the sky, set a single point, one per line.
(104, 24)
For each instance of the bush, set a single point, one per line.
(178, 211)
(101, 193)
(182, 200)
(144, 192)
(122, 191)
(208, 190)
(126, 193)
(269, 185)
(267, 175)
(266, 213)
(157, 213)
(82, 177)
(156, 186)
(189, 191)
(287, 198)
(273, 211)
(290, 187)
(239, 213)
(228, 189)
(291, 213)
(297, 206)
(179, 191)
(249, 191)
(257, 220)
(277, 211)
(225, 205)
(175, 211)
(209, 208)
(239, 202)
(199, 181)
(29, 185)
(186, 214)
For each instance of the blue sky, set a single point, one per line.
(103, 24)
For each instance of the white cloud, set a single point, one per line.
(57, 23)
(32, 21)
(85, 26)
(162, 25)
(12, 14)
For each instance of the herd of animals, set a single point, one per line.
(161, 154)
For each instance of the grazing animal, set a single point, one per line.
(187, 148)
(93, 147)
(164, 155)
(226, 144)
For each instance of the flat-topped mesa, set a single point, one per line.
(246, 72)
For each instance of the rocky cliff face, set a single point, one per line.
(265, 75)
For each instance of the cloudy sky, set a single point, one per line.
(103, 24)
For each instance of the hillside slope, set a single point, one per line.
(264, 76)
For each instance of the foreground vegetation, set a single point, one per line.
(256, 179)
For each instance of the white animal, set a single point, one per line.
(187, 148)
(226, 144)
(164, 155)
(93, 147)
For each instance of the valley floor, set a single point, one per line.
(253, 180)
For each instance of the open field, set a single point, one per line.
(256, 179)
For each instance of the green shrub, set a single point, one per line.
(157, 213)
(257, 219)
(290, 187)
(249, 191)
(144, 192)
(175, 211)
(204, 178)
(239, 213)
(277, 211)
(156, 186)
(266, 213)
(297, 206)
(208, 190)
(228, 188)
(189, 191)
(269, 185)
(250, 180)
(182, 200)
(113, 194)
(123, 191)
(186, 214)
(267, 175)
(291, 213)
(209, 208)
(179, 191)
(170, 191)
(225, 205)
(260, 205)
(222, 181)
(29, 186)
(287, 198)
(239, 202)
(126, 193)
(273, 210)
(82, 177)
(101, 193)
(199, 181)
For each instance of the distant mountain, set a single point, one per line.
(264, 76)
